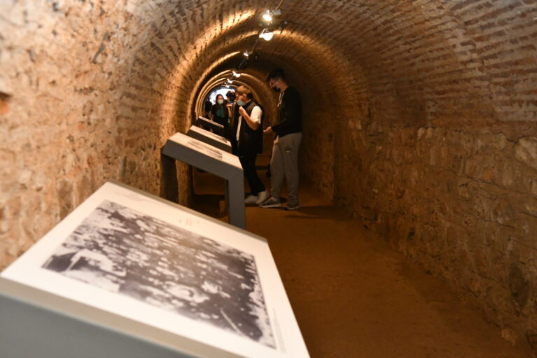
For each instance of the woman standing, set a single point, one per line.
(219, 112)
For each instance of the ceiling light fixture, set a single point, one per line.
(236, 74)
(266, 34)
(268, 16)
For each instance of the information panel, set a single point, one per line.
(218, 162)
(210, 138)
(152, 275)
(208, 124)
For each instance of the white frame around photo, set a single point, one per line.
(29, 285)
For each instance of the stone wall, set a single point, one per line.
(89, 92)
(443, 159)
(461, 202)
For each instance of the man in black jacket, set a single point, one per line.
(249, 137)
(288, 130)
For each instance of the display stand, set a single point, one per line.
(210, 159)
(208, 124)
(131, 275)
(210, 138)
(35, 323)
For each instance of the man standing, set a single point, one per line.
(288, 130)
(249, 137)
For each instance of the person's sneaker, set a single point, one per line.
(292, 206)
(251, 199)
(262, 197)
(271, 203)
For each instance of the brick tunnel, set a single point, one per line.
(419, 120)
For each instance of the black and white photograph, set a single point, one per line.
(207, 149)
(122, 250)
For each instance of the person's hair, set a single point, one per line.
(245, 90)
(230, 94)
(219, 95)
(276, 74)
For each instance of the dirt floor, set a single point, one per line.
(354, 296)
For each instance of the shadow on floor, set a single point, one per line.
(323, 212)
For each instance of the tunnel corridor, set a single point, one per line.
(352, 294)
(419, 122)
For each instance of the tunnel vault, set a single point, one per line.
(419, 118)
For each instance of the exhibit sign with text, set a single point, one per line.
(130, 254)
(218, 162)
(208, 124)
(210, 138)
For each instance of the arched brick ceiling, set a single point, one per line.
(413, 61)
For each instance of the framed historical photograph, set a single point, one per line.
(136, 256)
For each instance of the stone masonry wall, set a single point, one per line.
(89, 92)
(461, 202)
(444, 156)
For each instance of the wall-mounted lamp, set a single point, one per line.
(266, 34)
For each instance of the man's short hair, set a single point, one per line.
(230, 94)
(245, 90)
(276, 74)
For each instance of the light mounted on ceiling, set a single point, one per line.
(236, 74)
(229, 80)
(268, 16)
(266, 34)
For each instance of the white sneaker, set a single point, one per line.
(271, 203)
(251, 199)
(263, 196)
(292, 206)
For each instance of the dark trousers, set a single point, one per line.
(250, 172)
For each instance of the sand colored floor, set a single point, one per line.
(354, 296)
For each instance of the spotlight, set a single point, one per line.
(266, 34)
(229, 81)
(236, 74)
(267, 16)
(247, 53)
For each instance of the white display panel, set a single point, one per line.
(210, 138)
(218, 162)
(210, 135)
(206, 149)
(133, 255)
(217, 127)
